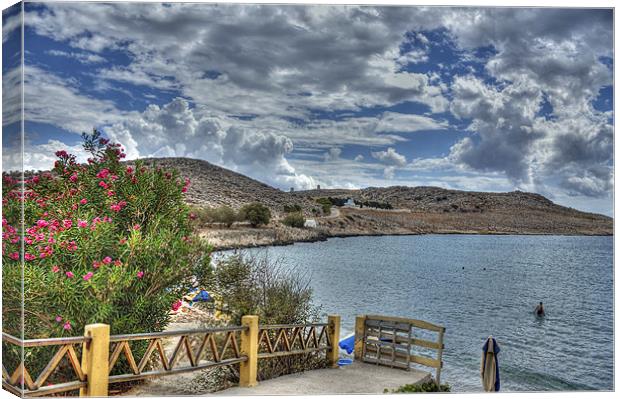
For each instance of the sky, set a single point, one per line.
(480, 99)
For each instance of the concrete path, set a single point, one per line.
(354, 379)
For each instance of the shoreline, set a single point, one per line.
(325, 237)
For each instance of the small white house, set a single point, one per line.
(310, 223)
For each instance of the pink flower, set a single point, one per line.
(122, 241)
(103, 184)
(110, 193)
(83, 201)
(176, 305)
(58, 319)
(140, 274)
(103, 173)
(87, 276)
(118, 262)
(67, 223)
(73, 178)
(55, 269)
(136, 227)
(107, 260)
(42, 223)
(82, 223)
(96, 264)
(70, 274)
(129, 169)
(67, 325)
(14, 256)
(115, 207)
(28, 256)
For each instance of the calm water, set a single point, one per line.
(422, 277)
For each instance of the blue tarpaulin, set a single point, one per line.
(348, 343)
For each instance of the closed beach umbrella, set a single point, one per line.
(489, 367)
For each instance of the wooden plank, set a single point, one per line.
(416, 323)
(293, 352)
(404, 366)
(423, 360)
(158, 373)
(50, 367)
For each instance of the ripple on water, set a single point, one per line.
(423, 277)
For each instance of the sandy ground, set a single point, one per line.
(357, 378)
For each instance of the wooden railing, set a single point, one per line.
(108, 359)
(398, 342)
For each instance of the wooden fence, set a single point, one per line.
(202, 348)
(397, 342)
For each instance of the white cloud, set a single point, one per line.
(175, 130)
(83, 57)
(332, 154)
(390, 157)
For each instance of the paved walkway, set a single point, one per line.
(355, 379)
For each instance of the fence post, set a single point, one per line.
(333, 329)
(439, 357)
(95, 360)
(249, 348)
(360, 325)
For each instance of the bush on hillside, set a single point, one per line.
(294, 220)
(255, 213)
(292, 208)
(326, 205)
(104, 242)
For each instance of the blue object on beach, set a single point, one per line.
(348, 343)
(203, 296)
(495, 352)
(344, 361)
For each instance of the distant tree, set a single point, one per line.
(225, 215)
(326, 205)
(295, 219)
(255, 213)
(292, 208)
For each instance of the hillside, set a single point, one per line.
(213, 186)
(416, 210)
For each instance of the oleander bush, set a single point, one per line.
(104, 242)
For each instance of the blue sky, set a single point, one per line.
(483, 99)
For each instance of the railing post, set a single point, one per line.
(333, 330)
(360, 325)
(95, 360)
(249, 348)
(439, 357)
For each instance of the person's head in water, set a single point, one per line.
(540, 303)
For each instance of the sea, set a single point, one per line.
(478, 286)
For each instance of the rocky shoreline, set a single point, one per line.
(356, 223)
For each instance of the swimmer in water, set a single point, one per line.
(540, 310)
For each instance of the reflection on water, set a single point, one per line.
(478, 286)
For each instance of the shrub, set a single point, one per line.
(292, 208)
(255, 213)
(326, 205)
(225, 215)
(430, 386)
(294, 220)
(205, 216)
(104, 243)
(277, 295)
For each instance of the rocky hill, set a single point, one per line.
(213, 186)
(416, 210)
